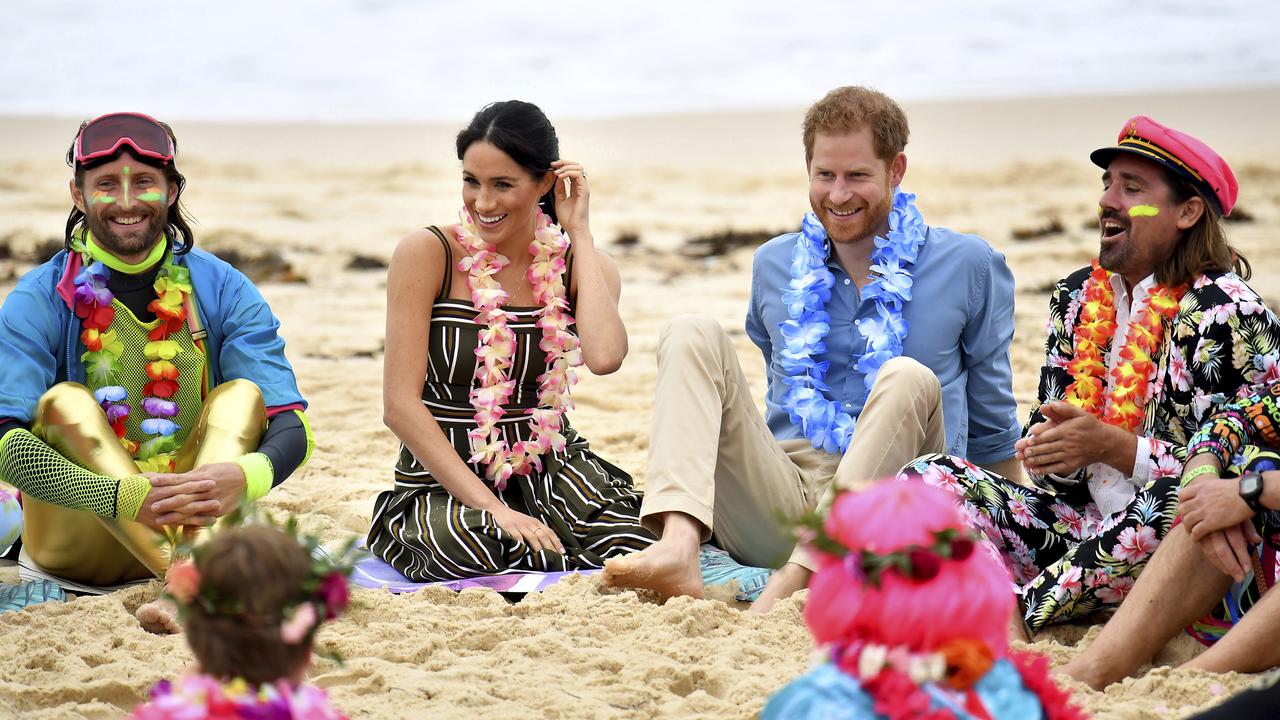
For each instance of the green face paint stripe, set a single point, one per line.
(151, 196)
(1144, 211)
(125, 204)
(102, 199)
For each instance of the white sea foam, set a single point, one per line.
(360, 60)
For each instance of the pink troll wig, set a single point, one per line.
(970, 598)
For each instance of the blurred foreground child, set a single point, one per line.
(913, 616)
(252, 599)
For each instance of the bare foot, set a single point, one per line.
(667, 567)
(159, 616)
(1080, 673)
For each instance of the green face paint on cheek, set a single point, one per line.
(151, 196)
(101, 198)
(1144, 211)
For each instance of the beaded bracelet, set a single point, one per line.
(1210, 444)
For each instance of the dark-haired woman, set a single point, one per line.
(496, 312)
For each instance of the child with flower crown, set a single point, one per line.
(251, 600)
(912, 614)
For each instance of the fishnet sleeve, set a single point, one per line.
(36, 469)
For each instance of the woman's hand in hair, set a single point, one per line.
(571, 193)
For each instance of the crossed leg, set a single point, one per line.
(88, 548)
(1178, 587)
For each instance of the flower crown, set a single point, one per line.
(918, 563)
(324, 590)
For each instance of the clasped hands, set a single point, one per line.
(1221, 521)
(197, 497)
(1070, 438)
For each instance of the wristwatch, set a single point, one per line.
(1251, 490)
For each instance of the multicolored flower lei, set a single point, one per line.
(498, 345)
(821, 420)
(1125, 405)
(896, 678)
(92, 302)
(200, 696)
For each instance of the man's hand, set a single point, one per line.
(1071, 439)
(226, 490)
(1211, 503)
(782, 584)
(177, 500)
(1228, 549)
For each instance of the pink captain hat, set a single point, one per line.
(1186, 156)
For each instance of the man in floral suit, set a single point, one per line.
(1140, 347)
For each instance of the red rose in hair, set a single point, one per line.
(333, 594)
(961, 549)
(924, 565)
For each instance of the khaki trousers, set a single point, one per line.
(712, 457)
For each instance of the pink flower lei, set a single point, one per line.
(498, 345)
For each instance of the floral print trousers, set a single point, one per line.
(1067, 560)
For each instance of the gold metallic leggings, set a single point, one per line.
(87, 548)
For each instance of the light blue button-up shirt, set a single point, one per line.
(959, 325)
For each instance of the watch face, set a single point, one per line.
(1250, 486)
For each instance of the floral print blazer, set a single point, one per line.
(1223, 343)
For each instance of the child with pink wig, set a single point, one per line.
(913, 614)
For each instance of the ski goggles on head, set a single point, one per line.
(106, 134)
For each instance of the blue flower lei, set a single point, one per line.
(822, 420)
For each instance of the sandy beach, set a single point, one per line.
(1014, 171)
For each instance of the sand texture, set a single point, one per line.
(303, 202)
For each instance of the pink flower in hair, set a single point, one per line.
(183, 581)
(300, 622)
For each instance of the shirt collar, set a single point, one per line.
(1140, 290)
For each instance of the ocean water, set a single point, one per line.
(423, 60)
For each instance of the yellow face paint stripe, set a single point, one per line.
(1144, 211)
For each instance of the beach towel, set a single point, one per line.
(717, 568)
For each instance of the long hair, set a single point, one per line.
(177, 223)
(970, 598)
(258, 570)
(1203, 247)
(523, 132)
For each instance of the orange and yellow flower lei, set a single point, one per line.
(1125, 406)
(497, 348)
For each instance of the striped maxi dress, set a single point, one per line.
(421, 530)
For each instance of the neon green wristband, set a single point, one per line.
(258, 474)
(130, 494)
(1194, 473)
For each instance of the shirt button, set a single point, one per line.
(847, 281)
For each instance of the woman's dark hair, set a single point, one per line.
(524, 133)
(177, 224)
(259, 570)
